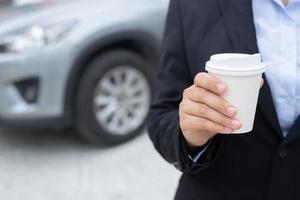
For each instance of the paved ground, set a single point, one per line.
(57, 166)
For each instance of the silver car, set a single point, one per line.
(88, 64)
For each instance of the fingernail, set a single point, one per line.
(228, 130)
(230, 111)
(235, 124)
(221, 88)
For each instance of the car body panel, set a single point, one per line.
(96, 21)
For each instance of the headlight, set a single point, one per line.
(35, 36)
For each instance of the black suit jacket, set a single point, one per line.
(256, 166)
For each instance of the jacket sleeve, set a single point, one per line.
(173, 78)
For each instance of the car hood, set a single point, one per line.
(51, 10)
(9, 12)
(15, 17)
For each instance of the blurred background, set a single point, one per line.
(76, 81)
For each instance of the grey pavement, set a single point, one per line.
(49, 165)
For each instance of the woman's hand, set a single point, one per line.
(203, 112)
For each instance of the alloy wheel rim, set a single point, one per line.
(121, 100)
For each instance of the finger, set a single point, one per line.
(202, 110)
(210, 82)
(213, 100)
(203, 124)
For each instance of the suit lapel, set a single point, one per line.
(266, 105)
(240, 26)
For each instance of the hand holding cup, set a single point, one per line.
(204, 112)
(223, 100)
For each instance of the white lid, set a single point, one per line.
(235, 64)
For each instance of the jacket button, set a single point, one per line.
(283, 152)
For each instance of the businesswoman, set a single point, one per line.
(190, 123)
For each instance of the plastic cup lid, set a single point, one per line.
(235, 64)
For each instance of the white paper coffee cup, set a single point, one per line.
(242, 73)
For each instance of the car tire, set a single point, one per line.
(98, 127)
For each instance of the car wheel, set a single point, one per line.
(114, 97)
